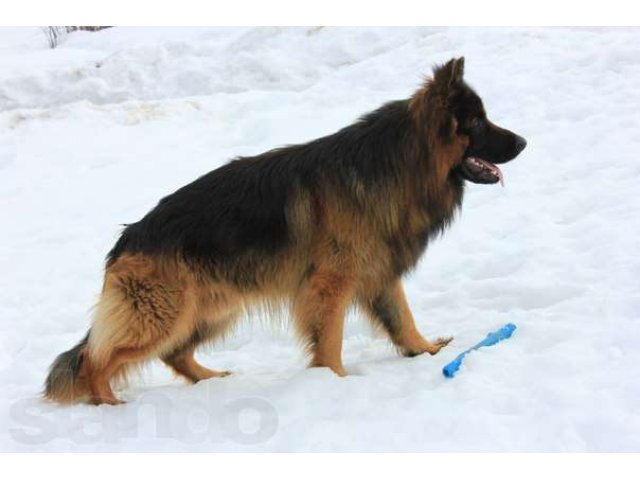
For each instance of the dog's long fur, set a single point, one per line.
(316, 227)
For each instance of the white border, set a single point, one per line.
(324, 466)
(321, 12)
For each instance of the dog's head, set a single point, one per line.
(466, 120)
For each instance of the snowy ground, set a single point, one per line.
(94, 132)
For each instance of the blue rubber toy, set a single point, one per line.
(505, 332)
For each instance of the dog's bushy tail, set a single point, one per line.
(65, 384)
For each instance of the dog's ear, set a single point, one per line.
(449, 76)
(457, 72)
(442, 91)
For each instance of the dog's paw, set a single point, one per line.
(429, 347)
(439, 344)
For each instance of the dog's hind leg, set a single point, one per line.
(181, 358)
(145, 307)
(390, 311)
(319, 310)
(183, 363)
(99, 377)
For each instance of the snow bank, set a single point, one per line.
(94, 132)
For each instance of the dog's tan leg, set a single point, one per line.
(145, 305)
(319, 313)
(99, 386)
(100, 377)
(390, 311)
(221, 310)
(183, 363)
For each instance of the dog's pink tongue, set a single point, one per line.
(494, 169)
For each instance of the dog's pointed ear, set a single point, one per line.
(450, 75)
(457, 72)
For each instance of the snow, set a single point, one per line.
(94, 132)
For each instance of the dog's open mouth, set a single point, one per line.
(477, 170)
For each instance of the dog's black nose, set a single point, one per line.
(520, 143)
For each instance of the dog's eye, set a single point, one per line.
(477, 124)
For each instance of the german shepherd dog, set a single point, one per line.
(315, 228)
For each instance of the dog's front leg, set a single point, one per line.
(319, 310)
(390, 311)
